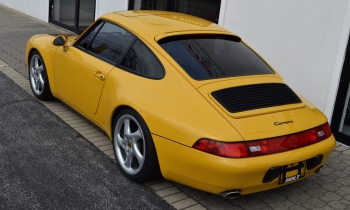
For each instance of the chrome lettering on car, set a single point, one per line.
(292, 178)
(283, 123)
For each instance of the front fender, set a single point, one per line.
(44, 44)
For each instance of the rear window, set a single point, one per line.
(214, 56)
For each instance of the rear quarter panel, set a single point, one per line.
(171, 107)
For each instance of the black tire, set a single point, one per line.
(133, 146)
(38, 79)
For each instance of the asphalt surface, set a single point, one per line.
(44, 163)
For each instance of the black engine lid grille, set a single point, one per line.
(250, 97)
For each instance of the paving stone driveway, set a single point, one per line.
(330, 189)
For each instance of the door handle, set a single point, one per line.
(99, 75)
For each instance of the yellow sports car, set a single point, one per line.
(185, 98)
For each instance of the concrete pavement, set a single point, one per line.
(330, 189)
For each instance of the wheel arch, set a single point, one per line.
(114, 115)
(153, 170)
(42, 43)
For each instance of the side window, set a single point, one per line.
(107, 40)
(142, 61)
(85, 42)
(111, 42)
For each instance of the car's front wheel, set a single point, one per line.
(133, 147)
(38, 77)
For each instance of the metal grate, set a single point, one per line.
(250, 97)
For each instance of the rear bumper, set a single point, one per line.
(215, 174)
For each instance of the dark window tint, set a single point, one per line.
(110, 42)
(107, 40)
(142, 61)
(207, 9)
(214, 56)
(85, 42)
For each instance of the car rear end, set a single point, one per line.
(285, 138)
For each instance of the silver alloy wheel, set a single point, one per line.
(129, 144)
(37, 74)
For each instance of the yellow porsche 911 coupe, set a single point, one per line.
(184, 98)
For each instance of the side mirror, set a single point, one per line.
(59, 41)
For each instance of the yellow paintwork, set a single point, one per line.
(177, 109)
(216, 174)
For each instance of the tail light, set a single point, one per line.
(264, 146)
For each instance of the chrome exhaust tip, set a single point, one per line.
(231, 194)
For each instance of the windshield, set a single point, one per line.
(214, 56)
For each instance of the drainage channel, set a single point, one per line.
(165, 189)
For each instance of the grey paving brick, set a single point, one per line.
(198, 195)
(168, 191)
(175, 197)
(343, 190)
(316, 193)
(274, 197)
(296, 207)
(337, 205)
(102, 143)
(281, 205)
(94, 134)
(106, 147)
(331, 196)
(299, 199)
(188, 202)
(345, 202)
(255, 204)
(109, 152)
(313, 203)
(331, 186)
(347, 197)
(215, 198)
(196, 207)
(161, 185)
(347, 152)
(82, 127)
(341, 181)
(222, 206)
(97, 139)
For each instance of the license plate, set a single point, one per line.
(292, 172)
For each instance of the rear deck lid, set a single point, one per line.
(260, 107)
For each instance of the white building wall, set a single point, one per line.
(105, 6)
(303, 40)
(35, 8)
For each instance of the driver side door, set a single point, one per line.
(81, 71)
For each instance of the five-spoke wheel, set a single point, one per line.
(38, 77)
(133, 147)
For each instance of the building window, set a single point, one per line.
(74, 15)
(206, 9)
(341, 114)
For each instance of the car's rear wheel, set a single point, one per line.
(38, 77)
(133, 147)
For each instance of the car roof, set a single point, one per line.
(152, 22)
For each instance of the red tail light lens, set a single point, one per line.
(265, 146)
(236, 150)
